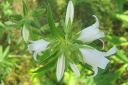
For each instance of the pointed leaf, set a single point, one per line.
(52, 26)
(25, 10)
(6, 52)
(25, 33)
(1, 50)
(45, 67)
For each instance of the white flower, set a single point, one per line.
(60, 67)
(91, 56)
(25, 33)
(37, 47)
(69, 13)
(96, 58)
(75, 69)
(91, 33)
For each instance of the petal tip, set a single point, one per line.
(112, 51)
(95, 69)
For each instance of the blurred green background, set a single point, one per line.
(16, 63)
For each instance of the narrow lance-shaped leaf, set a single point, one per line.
(25, 10)
(46, 67)
(25, 33)
(5, 53)
(2, 25)
(51, 23)
(1, 50)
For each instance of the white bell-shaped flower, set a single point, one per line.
(96, 58)
(37, 47)
(91, 33)
(69, 13)
(60, 67)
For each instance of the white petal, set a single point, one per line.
(60, 67)
(75, 69)
(95, 69)
(38, 46)
(108, 53)
(35, 56)
(111, 51)
(94, 58)
(91, 33)
(69, 13)
(25, 33)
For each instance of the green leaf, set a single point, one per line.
(68, 29)
(122, 56)
(6, 52)
(108, 77)
(117, 40)
(120, 4)
(35, 23)
(46, 57)
(52, 26)
(25, 10)
(37, 13)
(2, 25)
(16, 17)
(1, 50)
(46, 66)
(122, 17)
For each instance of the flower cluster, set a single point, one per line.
(69, 50)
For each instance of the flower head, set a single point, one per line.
(91, 33)
(37, 47)
(96, 58)
(65, 50)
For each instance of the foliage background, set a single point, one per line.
(17, 64)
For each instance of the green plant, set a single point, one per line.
(7, 62)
